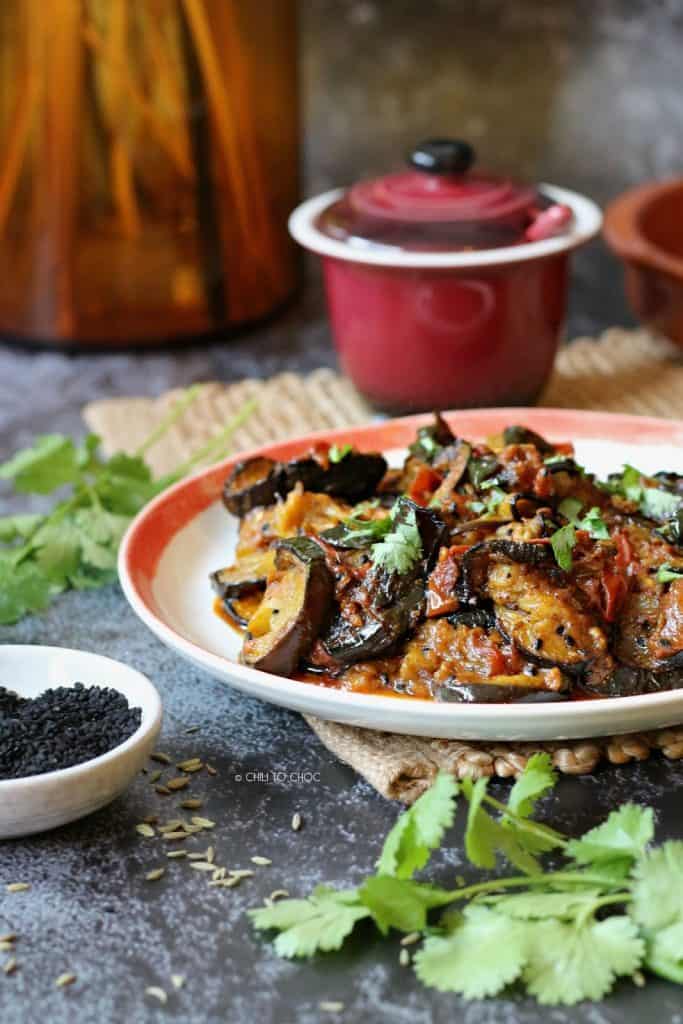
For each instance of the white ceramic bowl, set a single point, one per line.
(41, 802)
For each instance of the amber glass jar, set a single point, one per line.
(148, 161)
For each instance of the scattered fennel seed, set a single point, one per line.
(262, 862)
(177, 980)
(202, 865)
(172, 825)
(297, 822)
(157, 993)
(330, 1006)
(155, 874)
(18, 886)
(203, 822)
(404, 958)
(10, 966)
(145, 830)
(162, 790)
(175, 835)
(411, 938)
(175, 854)
(278, 894)
(180, 782)
(160, 757)
(639, 979)
(65, 979)
(218, 875)
(8, 937)
(192, 728)
(195, 855)
(210, 770)
(155, 776)
(240, 873)
(210, 853)
(192, 804)
(6, 947)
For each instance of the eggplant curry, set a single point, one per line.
(477, 572)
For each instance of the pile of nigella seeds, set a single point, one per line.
(61, 727)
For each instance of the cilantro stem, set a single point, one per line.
(534, 827)
(516, 881)
(601, 901)
(214, 448)
(171, 417)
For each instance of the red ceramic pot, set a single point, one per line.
(446, 289)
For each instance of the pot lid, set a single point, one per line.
(441, 186)
(441, 205)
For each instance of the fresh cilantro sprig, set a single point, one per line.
(667, 574)
(654, 502)
(401, 547)
(563, 540)
(75, 544)
(615, 906)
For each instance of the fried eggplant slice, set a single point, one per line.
(294, 609)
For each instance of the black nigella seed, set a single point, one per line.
(61, 727)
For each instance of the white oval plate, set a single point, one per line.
(186, 533)
(41, 802)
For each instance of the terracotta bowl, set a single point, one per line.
(644, 227)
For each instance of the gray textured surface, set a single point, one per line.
(583, 94)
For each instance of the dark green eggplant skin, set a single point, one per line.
(474, 565)
(302, 624)
(382, 631)
(431, 439)
(483, 618)
(627, 681)
(236, 586)
(525, 506)
(670, 481)
(228, 605)
(522, 435)
(354, 478)
(496, 693)
(251, 484)
(305, 549)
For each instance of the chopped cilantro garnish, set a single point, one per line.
(336, 452)
(563, 542)
(401, 547)
(667, 574)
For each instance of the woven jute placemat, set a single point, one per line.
(622, 371)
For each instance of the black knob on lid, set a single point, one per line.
(443, 156)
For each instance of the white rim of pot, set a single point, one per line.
(586, 224)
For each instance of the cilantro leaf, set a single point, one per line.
(665, 953)
(667, 574)
(23, 589)
(563, 542)
(18, 527)
(625, 833)
(485, 837)
(537, 778)
(657, 889)
(401, 903)
(479, 958)
(419, 830)
(50, 463)
(571, 962)
(659, 504)
(570, 508)
(594, 524)
(401, 548)
(338, 452)
(321, 922)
